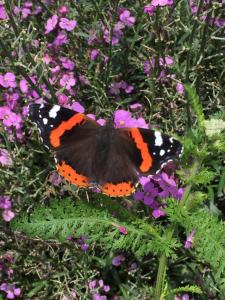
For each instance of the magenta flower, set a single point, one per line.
(61, 39)
(78, 107)
(63, 10)
(10, 118)
(123, 230)
(67, 63)
(67, 81)
(5, 202)
(126, 18)
(94, 53)
(51, 24)
(8, 80)
(23, 84)
(67, 24)
(8, 215)
(161, 2)
(117, 260)
(157, 213)
(63, 99)
(3, 15)
(190, 240)
(11, 290)
(149, 9)
(11, 99)
(123, 118)
(180, 89)
(5, 159)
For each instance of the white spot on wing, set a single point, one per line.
(45, 121)
(53, 111)
(162, 152)
(158, 138)
(40, 116)
(42, 105)
(171, 140)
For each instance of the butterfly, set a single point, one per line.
(90, 155)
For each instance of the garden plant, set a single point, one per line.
(156, 64)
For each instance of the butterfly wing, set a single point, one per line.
(155, 149)
(70, 134)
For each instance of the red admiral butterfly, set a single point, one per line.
(92, 155)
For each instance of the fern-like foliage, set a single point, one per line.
(209, 237)
(63, 218)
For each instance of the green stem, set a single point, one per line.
(194, 28)
(163, 259)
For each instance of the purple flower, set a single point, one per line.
(23, 84)
(11, 99)
(8, 80)
(189, 241)
(51, 24)
(63, 10)
(10, 118)
(78, 107)
(149, 9)
(67, 63)
(117, 260)
(55, 179)
(126, 18)
(148, 195)
(67, 24)
(158, 213)
(161, 2)
(61, 39)
(11, 290)
(67, 81)
(123, 118)
(5, 202)
(94, 54)
(3, 15)
(98, 297)
(180, 89)
(5, 159)
(136, 107)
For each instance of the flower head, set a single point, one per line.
(51, 24)
(11, 290)
(117, 260)
(8, 80)
(189, 241)
(5, 159)
(67, 24)
(126, 18)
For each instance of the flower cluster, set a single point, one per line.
(11, 290)
(6, 205)
(97, 289)
(164, 64)
(150, 8)
(158, 187)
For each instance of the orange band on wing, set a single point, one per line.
(71, 175)
(118, 190)
(56, 133)
(143, 147)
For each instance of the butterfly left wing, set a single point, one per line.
(68, 133)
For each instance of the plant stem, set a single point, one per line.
(163, 259)
(188, 60)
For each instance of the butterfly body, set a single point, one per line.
(111, 158)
